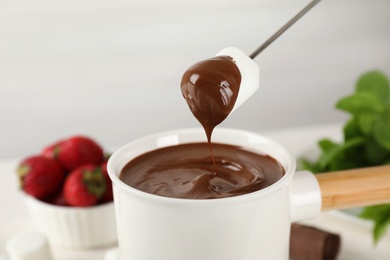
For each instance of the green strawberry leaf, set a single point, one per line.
(22, 171)
(94, 182)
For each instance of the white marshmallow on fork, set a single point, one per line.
(250, 74)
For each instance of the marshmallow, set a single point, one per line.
(31, 246)
(112, 254)
(250, 74)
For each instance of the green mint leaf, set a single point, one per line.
(380, 215)
(370, 213)
(326, 158)
(375, 153)
(367, 122)
(380, 229)
(361, 102)
(350, 158)
(366, 138)
(342, 162)
(374, 82)
(351, 129)
(305, 164)
(326, 144)
(381, 133)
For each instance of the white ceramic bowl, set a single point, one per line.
(72, 227)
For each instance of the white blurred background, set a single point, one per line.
(111, 69)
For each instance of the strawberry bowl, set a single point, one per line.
(74, 227)
(69, 194)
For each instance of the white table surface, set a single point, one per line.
(356, 234)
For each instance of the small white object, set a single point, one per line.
(305, 196)
(112, 254)
(31, 246)
(250, 74)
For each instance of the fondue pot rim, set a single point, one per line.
(180, 136)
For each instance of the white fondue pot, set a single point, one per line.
(246, 227)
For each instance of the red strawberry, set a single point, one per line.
(77, 151)
(84, 186)
(52, 151)
(40, 176)
(108, 195)
(57, 199)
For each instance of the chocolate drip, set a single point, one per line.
(211, 88)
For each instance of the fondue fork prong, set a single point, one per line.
(283, 29)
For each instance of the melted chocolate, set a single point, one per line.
(204, 170)
(186, 171)
(210, 88)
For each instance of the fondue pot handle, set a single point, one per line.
(305, 196)
(354, 188)
(313, 193)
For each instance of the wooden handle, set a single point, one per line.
(354, 188)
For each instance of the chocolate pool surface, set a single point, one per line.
(187, 171)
